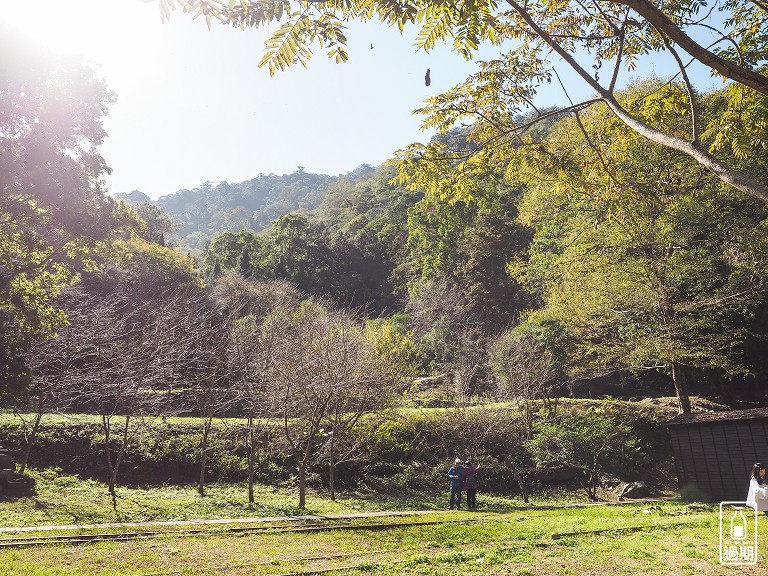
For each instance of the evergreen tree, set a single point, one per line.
(244, 267)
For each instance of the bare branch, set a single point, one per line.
(661, 22)
(727, 174)
(619, 56)
(689, 88)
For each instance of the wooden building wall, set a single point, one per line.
(716, 457)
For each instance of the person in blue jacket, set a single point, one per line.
(454, 477)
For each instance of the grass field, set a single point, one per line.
(502, 538)
(518, 542)
(66, 499)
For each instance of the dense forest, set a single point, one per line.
(200, 214)
(576, 258)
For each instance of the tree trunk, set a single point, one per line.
(119, 459)
(251, 439)
(204, 455)
(105, 425)
(302, 484)
(551, 405)
(331, 471)
(729, 69)
(30, 441)
(736, 178)
(589, 481)
(523, 487)
(114, 466)
(681, 388)
(527, 419)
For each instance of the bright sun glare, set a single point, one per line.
(98, 30)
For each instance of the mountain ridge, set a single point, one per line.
(202, 213)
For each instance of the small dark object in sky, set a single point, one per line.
(427, 79)
(371, 46)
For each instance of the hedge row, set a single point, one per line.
(412, 449)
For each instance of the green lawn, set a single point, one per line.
(503, 538)
(67, 499)
(518, 542)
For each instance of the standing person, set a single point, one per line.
(454, 477)
(757, 497)
(469, 480)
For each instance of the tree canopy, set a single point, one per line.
(54, 214)
(662, 273)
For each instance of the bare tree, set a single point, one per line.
(121, 368)
(199, 333)
(258, 298)
(368, 377)
(499, 441)
(447, 329)
(525, 368)
(249, 356)
(326, 375)
(48, 361)
(51, 360)
(250, 349)
(303, 374)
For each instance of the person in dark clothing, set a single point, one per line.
(454, 477)
(469, 481)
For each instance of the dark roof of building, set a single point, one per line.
(704, 417)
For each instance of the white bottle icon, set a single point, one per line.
(738, 525)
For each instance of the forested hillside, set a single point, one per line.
(204, 212)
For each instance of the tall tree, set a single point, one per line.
(651, 264)
(251, 348)
(471, 241)
(54, 214)
(154, 224)
(325, 375)
(302, 255)
(244, 267)
(494, 241)
(226, 251)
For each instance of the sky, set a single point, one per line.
(194, 106)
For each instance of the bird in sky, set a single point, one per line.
(427, 79)
(371, 46)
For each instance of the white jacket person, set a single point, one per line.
(757, 497)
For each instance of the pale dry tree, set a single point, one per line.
(325, 376)
(525, 369)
